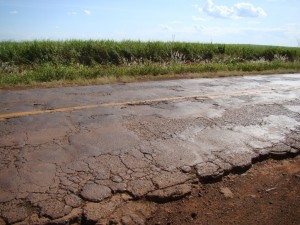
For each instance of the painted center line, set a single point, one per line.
(147, 101)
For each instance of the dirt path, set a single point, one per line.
(268, 193)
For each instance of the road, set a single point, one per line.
(86, 154)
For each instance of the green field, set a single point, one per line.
(91, 62)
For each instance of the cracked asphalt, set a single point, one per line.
(82, 155)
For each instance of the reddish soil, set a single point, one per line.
(268, 193)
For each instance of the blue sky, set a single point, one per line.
(265, 22)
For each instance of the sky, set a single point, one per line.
(262, 22)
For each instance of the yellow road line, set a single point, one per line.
(142, 102)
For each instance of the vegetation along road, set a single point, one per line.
(56, 63)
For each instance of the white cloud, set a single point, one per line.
(197, 18)
(219, 31)
(14, 12)
(239, 10)
(87, 12)
(248, 10)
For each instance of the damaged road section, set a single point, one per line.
(83, 165)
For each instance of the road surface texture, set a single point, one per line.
(106, 153)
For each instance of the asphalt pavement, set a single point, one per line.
(80, 153)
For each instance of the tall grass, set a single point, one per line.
(126, 52)
(44, 61)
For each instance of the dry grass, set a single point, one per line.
(130, 79)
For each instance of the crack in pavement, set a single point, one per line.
(97, 165)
